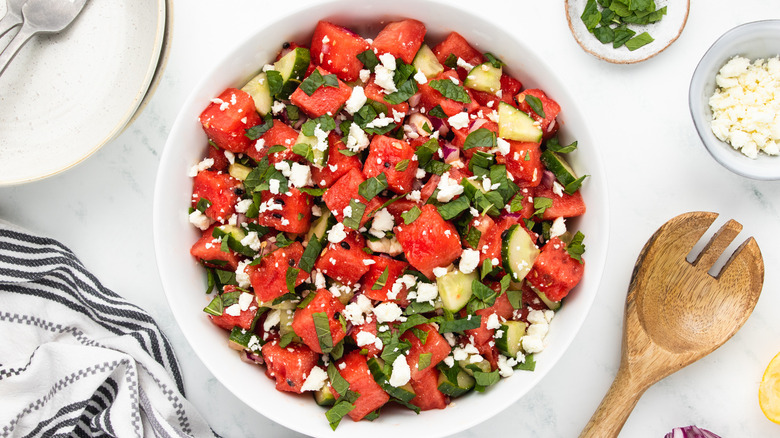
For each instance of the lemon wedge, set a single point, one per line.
(769, 391)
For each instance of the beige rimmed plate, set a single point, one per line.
(665, 32)
(66, 95)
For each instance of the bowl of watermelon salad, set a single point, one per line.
(388, 217)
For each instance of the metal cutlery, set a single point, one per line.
(13, 15)
(40, 16)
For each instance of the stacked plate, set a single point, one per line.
(66, 95)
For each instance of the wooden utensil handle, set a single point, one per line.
(615, 408)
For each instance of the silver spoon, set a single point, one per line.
(41, 16)
(13, 15)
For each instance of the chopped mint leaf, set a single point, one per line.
(275, 81)
(317, 80)
(576, 248)
(353, 221)
(639, 41)
(411, 215)
(437, 111)
(257, 131)
(481, 137)
(402, 165)
(373, 186)
(382, 280)
(450, 90)
(322, 327)
(325, 122)
(369, 59)
(536, 104)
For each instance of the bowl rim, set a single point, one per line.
(599, 189)
(722, 152)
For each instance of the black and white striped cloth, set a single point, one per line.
(75, 358)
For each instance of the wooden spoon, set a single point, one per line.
(677, 313)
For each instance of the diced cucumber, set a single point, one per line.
(483, 365)
(285, 322)
(240, 338)
(258, 88)
(518, 252)
(455, 289)
(509, 341)
(484, 77)
(514, 124)
(464, 384)
(235, 232)
(239, 171)
(476, 193)
(320, 157)
(376, 366)
(426, 62)
(559, 167)
(292, 67)
(320, 226)
(324, 396)
(552, 305)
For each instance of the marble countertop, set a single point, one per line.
(656, 165)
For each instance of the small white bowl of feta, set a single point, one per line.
(734, 99)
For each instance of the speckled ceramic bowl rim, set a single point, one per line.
(184, 279)
(702, 86)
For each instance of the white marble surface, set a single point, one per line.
(656, 167)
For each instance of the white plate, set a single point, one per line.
(665, 32)
(66, 95)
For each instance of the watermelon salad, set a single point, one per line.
(384, 221)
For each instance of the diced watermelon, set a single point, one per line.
(563, 205)
(343, 261)
(303, 321)
(458, 46)
(280, 134)
(427, 190)
(269, 277)
(206, 250)
(324, 100)
(221, 163)
(429, 241)
(435, 344)
(355, 371)
(227, 118)
(524, 163)
(289, 366)
(482, 337)
(385, 154)
(555, 272)
(376, 93)
(220, 189)
(426, 389)
(294, 216)
(338, 164)
(551, 110)
(243, 319)
(336, 48)
(509, 87)
(369, 327)
(462, 134)
(402, 39)
(337, 197)
(395, 268)
(430, 97)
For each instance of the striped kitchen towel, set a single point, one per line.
(75, 358)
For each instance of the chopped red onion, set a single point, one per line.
(548, 178)
(476, 124)
(690, 432)
(300, 122)
(451, 153)
(249, 357)
(439, 125)
(415, 100)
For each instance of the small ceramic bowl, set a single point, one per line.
(759, 39)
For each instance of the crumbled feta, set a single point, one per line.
(427, 292)
(319, 279)
(356, 100)
(558, 227)
(460, 120)
(387, 312)
(440, 271)
(536, 317)
(469, 260)
(463, 64)
(380, 122)
(337, 233)
(272, 320)
(252, 241)
(493, 322)
(420, 77)
(557, 188)
(273, 186)
(244, 300)
(383, 222)
(745, 107)
(384, 78)
(300, 175)
(316, 378)
(322, 139)
(242, 277)
(278, 107)
(420, 173)
(505, 366)
(365, 75)
(448, 188)
(401, 372)
(532, 344)
(203, 165)
(242, 206)
(233, 310)
(200, 220)
(357, 140)
(414, 195)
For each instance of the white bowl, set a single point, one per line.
(183, 278)
(759, 39)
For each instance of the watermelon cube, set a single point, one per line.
(280, 134)
(429, 242)
(455, 44)
(220, 189)
(354, 369)
(395, 268)
(269, 277)
(303, 321)
(402, 39)
(555, 272)
(324, 100)
(550, 108)
(385, 156)
(338, 164)
(344, 261)
(338, 196)
(227, 118)
(435, 344)
(289, 212)
(524, 163)
(426, 391)
(207, 251)
(335, 48)
(289, 366)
